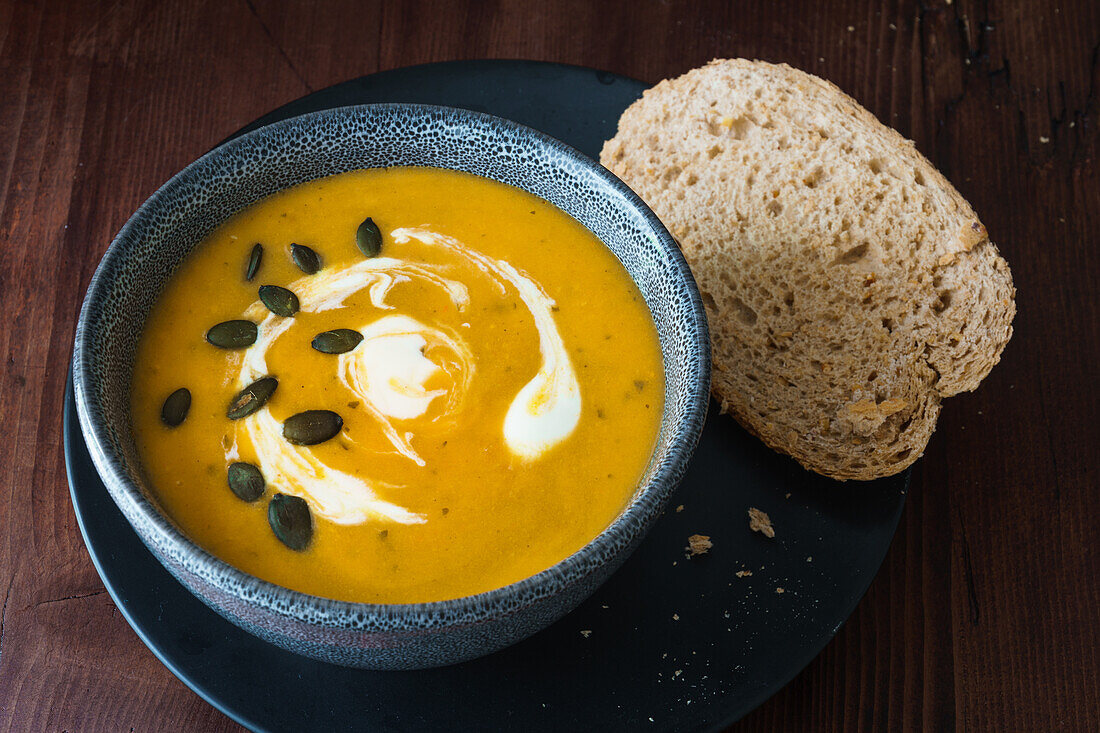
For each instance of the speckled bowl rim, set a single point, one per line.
(633, 522)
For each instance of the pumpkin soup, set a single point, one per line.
(397, 385)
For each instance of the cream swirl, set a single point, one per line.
(389, 372)
(389, 369)
(547, 409)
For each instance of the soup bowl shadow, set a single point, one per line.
(206, 193)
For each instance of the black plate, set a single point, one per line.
(667, 644)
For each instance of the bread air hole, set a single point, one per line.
(855, 254)
(744, 313)
(943, 302)
(740, 127)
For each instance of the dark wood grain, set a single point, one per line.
(986, 614)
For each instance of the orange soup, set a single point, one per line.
(397, 385)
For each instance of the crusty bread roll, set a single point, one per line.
(848, 285)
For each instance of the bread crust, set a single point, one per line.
(849, 286)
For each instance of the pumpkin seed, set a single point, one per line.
(368, 238)
(232, 334)
(246, 481)
(305, 258)
(175, 407)
(254, 261)
(252, 398)
(279, 301)
(290, 521)
(337, 341)
(312, 427)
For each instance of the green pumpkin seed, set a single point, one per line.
(279, 301)
(175, 407)
(254, 261)
(246, 481)
(312, 427)
(290, 521)
(232, 334)
(252, 398)
(368, 238)
(305, 258)
(338, 341)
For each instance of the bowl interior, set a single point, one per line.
(205, 194)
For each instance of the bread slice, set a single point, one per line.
(848, 285)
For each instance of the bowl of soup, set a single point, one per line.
(392, 386)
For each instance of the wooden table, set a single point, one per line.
(986, 614)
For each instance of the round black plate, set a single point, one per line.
(667, 644)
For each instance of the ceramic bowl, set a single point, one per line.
(206, 193)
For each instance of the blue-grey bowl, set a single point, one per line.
(164, 230)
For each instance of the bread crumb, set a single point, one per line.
(760, 522)
(1044, 139)
(743, 573)
(698, 544)
(779, 590)
(810, 558)
(680, 508)
(586, 633)
(787, 495)
(675, 617)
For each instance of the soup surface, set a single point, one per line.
(496, 408)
